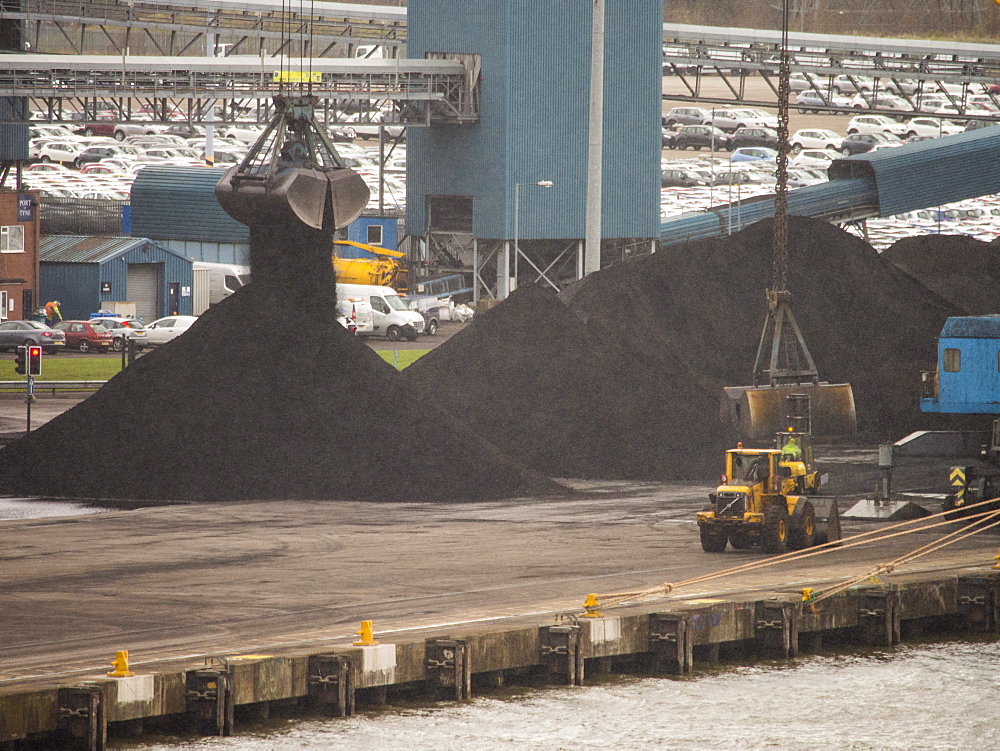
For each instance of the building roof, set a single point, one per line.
(87, 249)
(972, 327)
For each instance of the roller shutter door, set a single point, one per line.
(143, 289)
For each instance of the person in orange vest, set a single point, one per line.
(52, 314)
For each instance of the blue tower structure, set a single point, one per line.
(473, 189)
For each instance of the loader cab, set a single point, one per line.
(749, 467)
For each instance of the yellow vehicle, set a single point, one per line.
(768, 498)
(387, 270)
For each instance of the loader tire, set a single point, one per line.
(774, 535)
(802, 529)
(740, 541)
(712, 540)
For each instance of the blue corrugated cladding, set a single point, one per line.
(179, 203)
(930, 173)
(77, 287)
(534, 114)
(357, 231)
(13, 136)
(975, 387)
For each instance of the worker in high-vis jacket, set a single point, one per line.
(792, 449)
(52, 314)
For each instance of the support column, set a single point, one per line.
(331, 681)
(82, 723)
(447, 669)
(503, 271)
(561, 654)
(210, 701)
(670, 643)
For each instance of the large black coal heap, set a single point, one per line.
(265, 397)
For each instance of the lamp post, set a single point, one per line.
(517, 219)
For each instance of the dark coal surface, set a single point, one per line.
(567, 397)
(962, 269)
(266, 397)
(620, 375)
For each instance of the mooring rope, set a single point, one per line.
(863, 538)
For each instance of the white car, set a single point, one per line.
(63, 152)
(931, 126)
(815, 158)
(810, 99)
(881, 101)
(244, 132)
(844, 84)
(164, 330)
(729, 120)
(876, 124)
(815, 138)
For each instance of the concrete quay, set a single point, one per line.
(228, 610)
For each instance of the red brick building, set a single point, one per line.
(19, 238)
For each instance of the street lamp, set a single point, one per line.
(517, 218)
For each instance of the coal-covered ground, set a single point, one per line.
(256, 403)
(962, 269)
(621, 374)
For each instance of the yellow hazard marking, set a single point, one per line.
(957, 476)
(703, 602)
(252, 657)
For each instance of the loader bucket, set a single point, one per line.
(827, 518)
(762, 411)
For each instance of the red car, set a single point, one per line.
(85, 336)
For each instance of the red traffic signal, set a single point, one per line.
(34, 360)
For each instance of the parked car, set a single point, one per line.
(16, 333)
(680, 178)
(881, 101)
(685, 116)
(812, 101)
(63, 152)
(815, 158)
(765, 137)
(931, 126)
(729, 120)
(860, 143)
(163, 330)
(875, 124)
(85, 336)
(846, 84)
(753, 154)
(814, 138)
(430, 308)
(123, 329)
(698, 136)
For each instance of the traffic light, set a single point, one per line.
(34, 360)
(20, 363)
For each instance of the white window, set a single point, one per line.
(12, 239)
(3, 305)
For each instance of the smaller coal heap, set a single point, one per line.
(961, 269)
(265, 397)
(565, 397)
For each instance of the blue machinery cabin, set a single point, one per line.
(967, 379)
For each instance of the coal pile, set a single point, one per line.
(866, 322)
(564, 396)
(963, 270)
(265, 397)
(620, 375)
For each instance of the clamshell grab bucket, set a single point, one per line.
(761, 411)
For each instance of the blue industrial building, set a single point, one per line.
(87, 273)
(534, 67)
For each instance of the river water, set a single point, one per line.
(928, 696)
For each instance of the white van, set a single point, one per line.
(391, 318)
(213, 282)
(357, 312)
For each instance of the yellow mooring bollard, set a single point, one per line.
(120, 665)
(807, 594)
(367, 635)
(591, 605)
(997, 559)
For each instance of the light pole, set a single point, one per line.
(517, 219)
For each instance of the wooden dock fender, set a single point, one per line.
(331, 681)
(670, 643)
(448, 669)
(878, 616)
(979, 602)
(210, 702)
(82, 723)
(561, 654)
(776, 627)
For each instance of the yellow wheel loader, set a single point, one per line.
(768, 497)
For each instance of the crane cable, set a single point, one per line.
(616, 598)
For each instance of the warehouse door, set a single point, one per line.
(143, 288)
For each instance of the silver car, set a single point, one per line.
(123, 329)
(16, 333)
